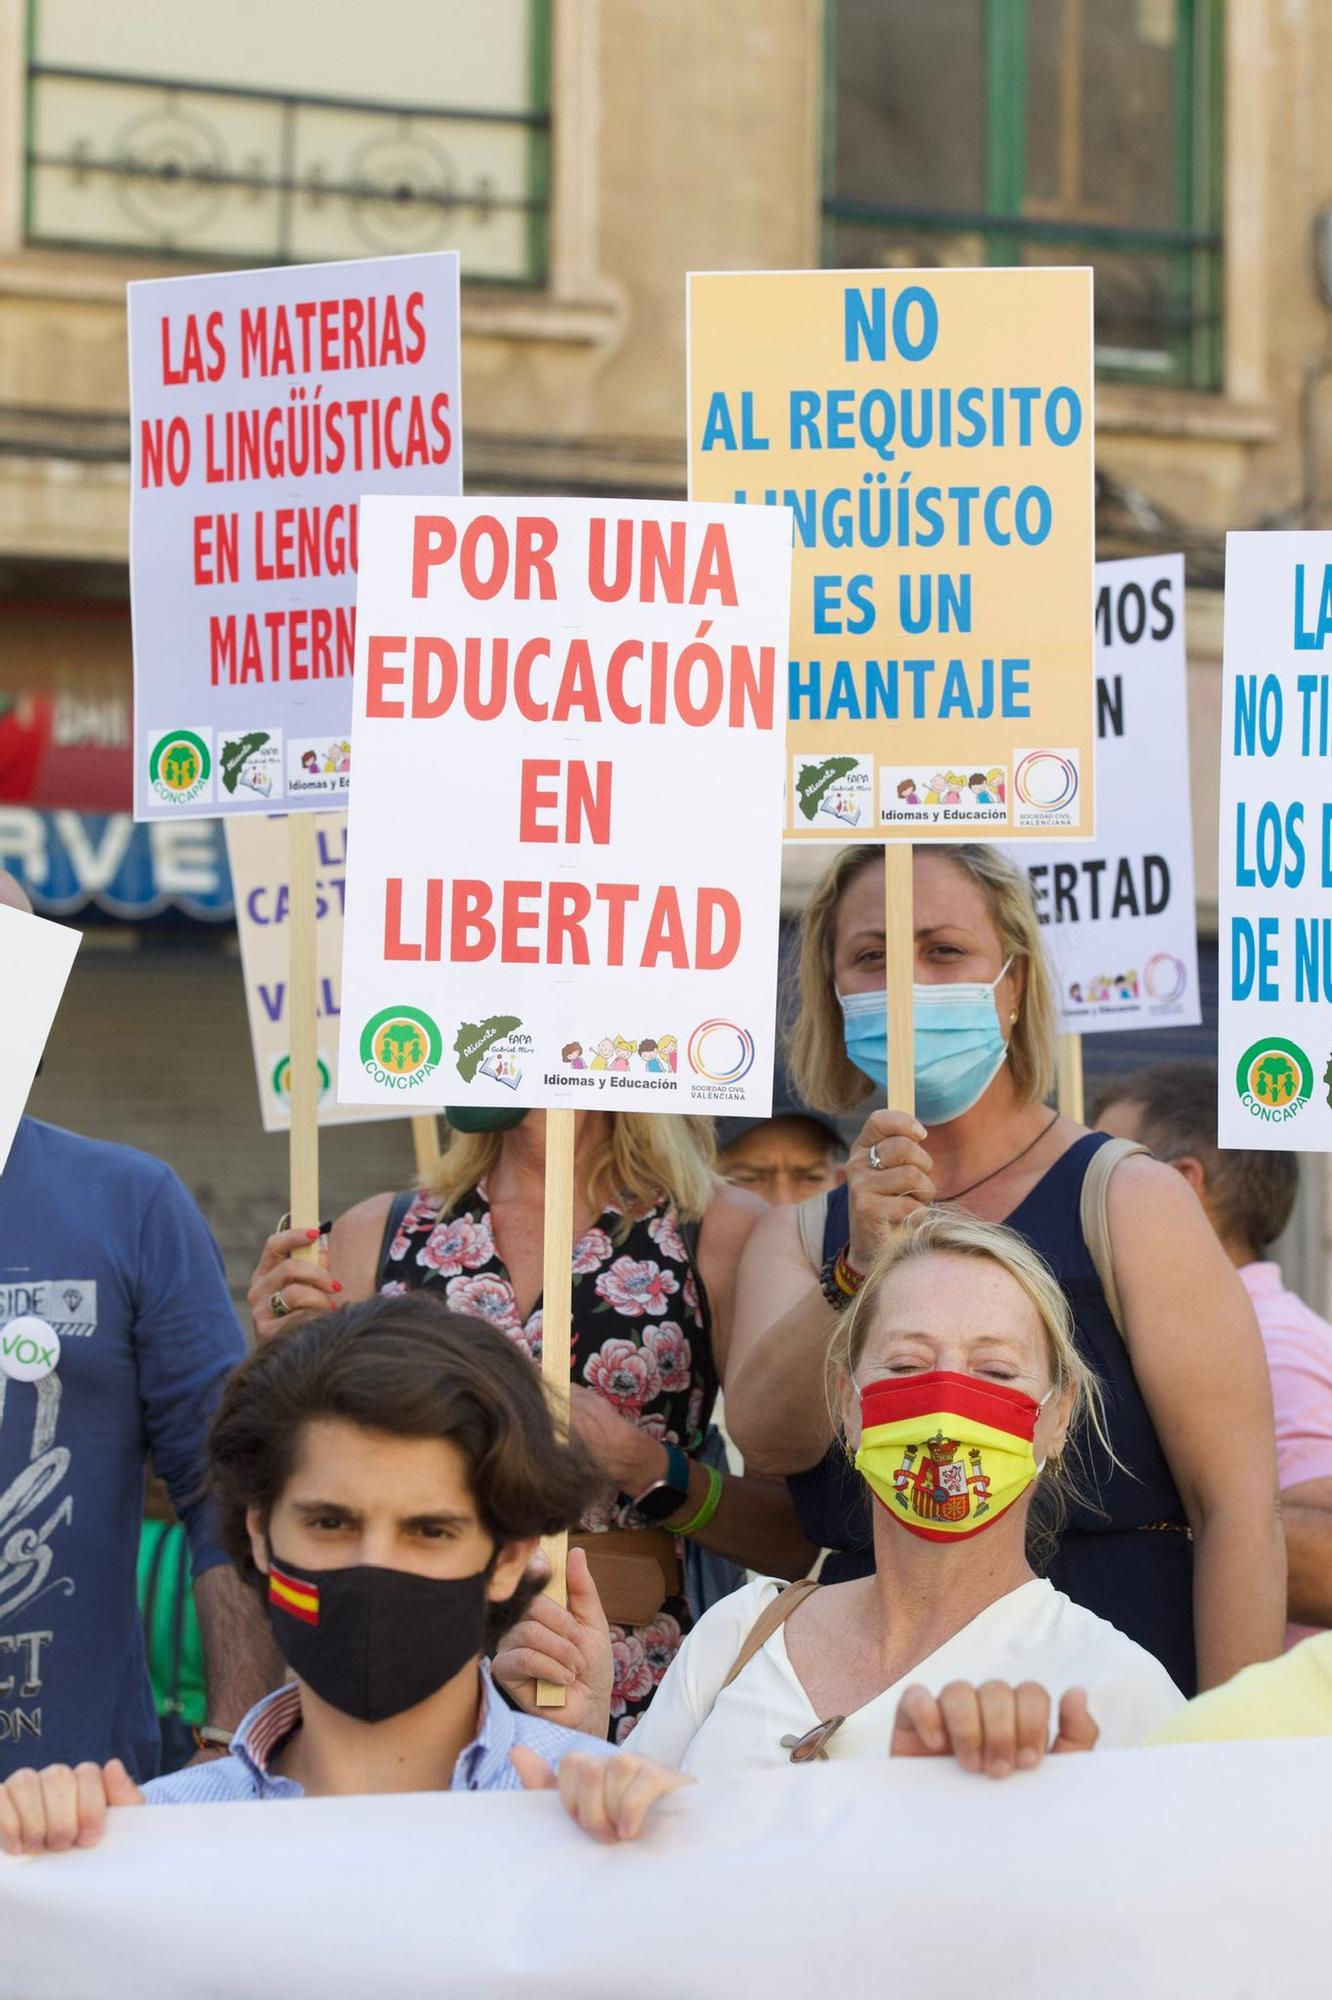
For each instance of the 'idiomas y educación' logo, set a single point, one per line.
(401, 1047)
(1274, 1079)
(180, 767)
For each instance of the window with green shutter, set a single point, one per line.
(967, 132)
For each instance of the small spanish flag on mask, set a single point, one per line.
(294, 1595)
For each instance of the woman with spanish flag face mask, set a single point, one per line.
(960, 1398)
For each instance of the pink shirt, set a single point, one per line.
(1299, 1356)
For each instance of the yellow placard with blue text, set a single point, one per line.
(932, 432)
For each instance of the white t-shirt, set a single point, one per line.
(1034, 1633)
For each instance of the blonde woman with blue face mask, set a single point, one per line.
(1177, 1539)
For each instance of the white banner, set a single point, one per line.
(257, 855)
(36, 956)
(563, 883)
(1119, 916)
(262, 405)
(1274, 1038)
(1159, 1874)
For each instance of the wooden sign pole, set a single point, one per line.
(899, 950)
(425, 1145)
(1069, 1095)
(556, 1302)
(302, 1015)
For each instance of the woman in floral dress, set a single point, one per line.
(657, 1241)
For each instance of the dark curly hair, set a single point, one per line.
(407, 1366)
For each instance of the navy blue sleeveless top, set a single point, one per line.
(1125, 1552)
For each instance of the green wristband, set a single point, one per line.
(711, 1502)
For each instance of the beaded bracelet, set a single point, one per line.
(840, 1280)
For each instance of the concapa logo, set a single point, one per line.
(282, 1078)
(1274, 1079)
(180, 765)
(401, 1047)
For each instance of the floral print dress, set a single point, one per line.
(641, 1338)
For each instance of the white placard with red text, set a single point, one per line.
(562, 885)
(263, 404)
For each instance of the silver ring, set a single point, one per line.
(874, 1161)
(278, 1306)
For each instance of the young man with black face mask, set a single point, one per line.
(382, 1477)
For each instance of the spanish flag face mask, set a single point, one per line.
(947, 1454)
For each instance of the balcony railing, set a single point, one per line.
(179, 168)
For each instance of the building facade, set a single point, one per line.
(583, 155)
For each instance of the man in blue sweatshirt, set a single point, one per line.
(116, 1334)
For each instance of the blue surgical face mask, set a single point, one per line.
(959, 1043)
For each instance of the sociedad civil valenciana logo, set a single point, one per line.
(1274, 1079)
(401, 1047)
(180, 767)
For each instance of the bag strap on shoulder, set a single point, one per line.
(811, 1218)
(1095, 1218)
(767, 1622)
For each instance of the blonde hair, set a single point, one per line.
(944, 1232)
(645, 1157)
(822, 1072)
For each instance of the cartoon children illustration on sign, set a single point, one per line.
(908, 793)
(571, 1055)
(623, 1051)
(605, 1049)
(669, 1050)
(651, 1059)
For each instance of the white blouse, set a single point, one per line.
(1034, 1633)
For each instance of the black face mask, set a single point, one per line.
(485, 1117)
(373, 1642)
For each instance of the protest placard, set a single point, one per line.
(1274, 1036)
(263, 404)
(1110, 1875)
(37, 956)
(257, 855)
(562, 877)
(573, 707)
(931, 432)
(1118, 911)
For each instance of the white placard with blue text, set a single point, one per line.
(1275, 1032)
(257, 855)
(1118, 911)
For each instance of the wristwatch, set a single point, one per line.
(665, 1496)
